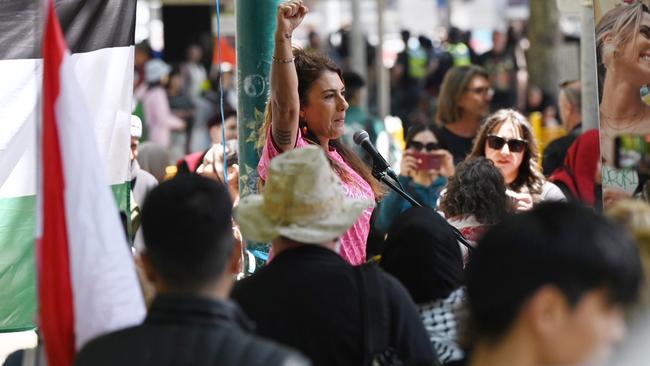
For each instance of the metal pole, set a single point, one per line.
(588, 76)
(358, 47)
(255, 28)
(383, 87)
(254, 31)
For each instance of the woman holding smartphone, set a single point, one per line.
(424, 170)
(507, 139)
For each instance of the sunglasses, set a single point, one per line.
(515, 145)
(418, 146)
(481, 90)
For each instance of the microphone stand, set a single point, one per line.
(383, 177)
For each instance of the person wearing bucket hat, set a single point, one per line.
(157, 113)
(307, 106)
(303, 200)
(309, 297)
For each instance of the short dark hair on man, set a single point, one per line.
(564, 245)
(187, 228)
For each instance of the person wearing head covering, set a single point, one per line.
(141, 182)
(157, 113)
(577, 177)
(309, 297)
(423, 254)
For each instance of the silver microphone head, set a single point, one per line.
(360, 136)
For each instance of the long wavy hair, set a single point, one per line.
(477, 188)
(529, 178)
(309, 67)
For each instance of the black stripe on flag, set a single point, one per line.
(89, 25)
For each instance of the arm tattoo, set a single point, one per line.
(282, 137)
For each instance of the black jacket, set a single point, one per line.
(308, 298)
(556, 150)
(182, 330)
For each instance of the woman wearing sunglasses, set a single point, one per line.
(506, 138)
(424, 170)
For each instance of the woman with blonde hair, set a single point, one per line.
(307, 107)
(506, 139)
(623, 50)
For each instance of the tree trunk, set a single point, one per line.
(544, 36)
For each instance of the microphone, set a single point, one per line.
(362, 139)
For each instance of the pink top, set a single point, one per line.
(159, 117)
(353, 242)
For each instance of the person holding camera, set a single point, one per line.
(424, 170)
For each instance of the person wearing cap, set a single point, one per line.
(309, 297)
(157, 113)
(141, 182)
(144, 178)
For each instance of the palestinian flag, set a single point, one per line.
(87, 284)
(100, 35)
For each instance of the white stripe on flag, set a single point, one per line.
(104, 283)
(106, 86)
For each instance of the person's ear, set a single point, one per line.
(571, 107)
(144, 262)
(236, 258)
(547, 311)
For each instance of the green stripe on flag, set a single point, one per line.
(17, 262)
(17, 274)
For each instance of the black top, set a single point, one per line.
(182, 330)
(308, 298)
(555, 152)
(422, 252)
(458, 146)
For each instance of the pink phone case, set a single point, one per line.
(428, 161)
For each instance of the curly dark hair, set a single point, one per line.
(478, 189)
(529, 178)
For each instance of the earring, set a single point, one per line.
(304, 130)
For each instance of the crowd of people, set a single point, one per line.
(509, 261)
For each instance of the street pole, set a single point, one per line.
(358, 47)
(588, 75)
(383, 86)
(255, 29)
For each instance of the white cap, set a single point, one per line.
(155, 69)
(136, 126)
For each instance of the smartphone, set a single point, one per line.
(632, 152)
(428, 161)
